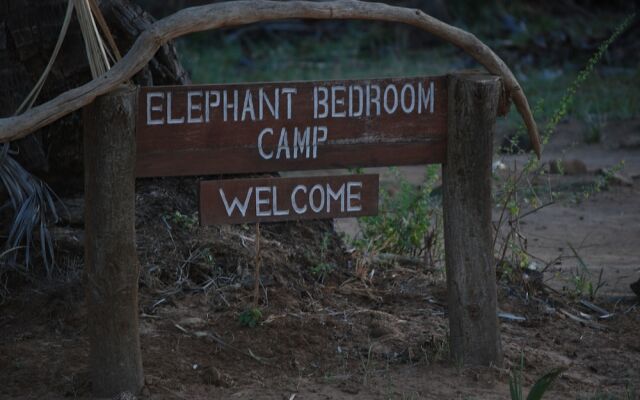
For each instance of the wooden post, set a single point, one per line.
(111, 263)
(471, 276)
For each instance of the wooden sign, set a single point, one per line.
(251, 128)
(235, 201)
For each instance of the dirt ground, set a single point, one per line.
(374, 331)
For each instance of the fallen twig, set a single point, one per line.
(602, 313)
(224, 344)
(583, 321)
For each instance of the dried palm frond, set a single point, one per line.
(94, 45)
(32, 202)
(31, 199)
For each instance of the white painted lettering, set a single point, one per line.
(426, 100)
(277, 212)
(263, 154)
(283, 144)
(248, 107)
(390, 89)
(337, 100)
(408, 108)
(235, 203)
(339, 196)
(289, 92)
(352, 112)
(191, 106)
(315, 206)
(351, 207)
(260, 201)
(294, 204)
(375, 99)
(209, 104)
(317, 102)
(272, 106)
(301, 142)
(319, 135)
(229, 106)
(154, 108)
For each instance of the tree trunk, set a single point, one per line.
(111, 263)
(28, 33)
(471, 274)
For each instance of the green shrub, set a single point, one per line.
(407, 220)
(250, 317)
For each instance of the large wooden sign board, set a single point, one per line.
(251, 128)
(257, 128)
(269, 127)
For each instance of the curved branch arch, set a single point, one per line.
(236, 13)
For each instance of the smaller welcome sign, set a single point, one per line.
(281, 199)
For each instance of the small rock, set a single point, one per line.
(567, 167)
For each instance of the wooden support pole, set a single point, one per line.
(471, 276)
(111, 263)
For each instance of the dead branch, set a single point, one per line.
(237, 13)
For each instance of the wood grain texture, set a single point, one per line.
(111, 263)
(218, 145)
(471, 274)
(238, 13)
(288, 199)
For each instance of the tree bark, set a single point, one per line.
(111, 263)
(471, 276)
(28, 32)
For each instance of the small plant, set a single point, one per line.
(595, 123)
(33, 205)
(207, 257)
(250, 317)
(435, 349)
(182, 220)
(322, 269)
(538, 389)
(584, 286)
(524, 191)
(407, 223)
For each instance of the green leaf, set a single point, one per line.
(542, 384)
(251, 317)
(515, 387)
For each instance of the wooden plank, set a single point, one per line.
(471, 272)
(239, 201)
(268, 127)
(111, 264)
